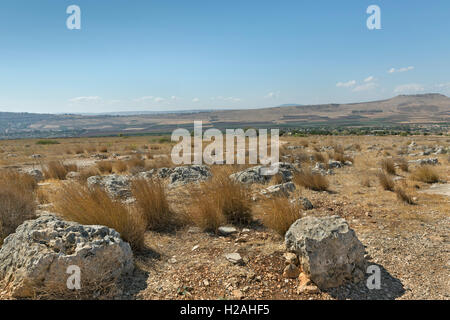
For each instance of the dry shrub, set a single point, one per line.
(17, 201)
(403, 164)
(365, 182)
(319, 157)
(388, 166)
(103, 149)
(403, 196)
(105, 166)
(301, 156)
(220, 200)
(78, 150)
(386, 181)
(120, 166)
(58, 170)
(340, 156)
(425, 174)
(280, 214)
(152, 203)
(22, 181)
(87, 172)
(338, 149)
(136, 164)
(91, 149)
(160, 162)
(304, 143)
(311, 180)
(93, 206)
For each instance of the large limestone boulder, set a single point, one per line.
(36, 257)
(118, 186)
(251, 175)
(187, 174)
(329, 252)
(428, 161)
(283, 189)
(260, 174)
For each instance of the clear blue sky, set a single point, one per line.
(168, 55)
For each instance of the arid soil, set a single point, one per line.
(409, 242)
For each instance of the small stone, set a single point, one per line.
(291, 258)
(194, 230)
(234, 258)
(226, 231)
(237, 294)
(306, 286)
(172, 260)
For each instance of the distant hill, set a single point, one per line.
(400, 110)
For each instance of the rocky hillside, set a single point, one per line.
(429, 109)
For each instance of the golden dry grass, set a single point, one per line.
(152, 203)
(220, 200)
(386, 181)
(76, 202)
(58, 170)
(425, 174)
(280, 214)
(119, 166)
(17, 201)
(388, 166)
(311, 180)
(403, 196)
(403, 164)
(136, 164)
(105, 166)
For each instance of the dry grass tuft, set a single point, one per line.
(388, 166)
(386, 181)
(220, 200)
(78, 203)
(136, 164)
(425, 174)
(403, 164)
(152, 203)
(280, 214)
(340, 156)
(105, 166)
(365, 182)
(58, 170)
(103, 149)
(87, 172)
(311, 180)
(319, 157)
(119, 166)
(403, 196)
(17, 201)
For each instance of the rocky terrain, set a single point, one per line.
(313, 231)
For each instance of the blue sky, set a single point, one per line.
(205, 54)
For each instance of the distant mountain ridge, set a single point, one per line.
(430, 109)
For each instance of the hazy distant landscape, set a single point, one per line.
(402, 110)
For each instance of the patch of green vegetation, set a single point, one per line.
(47, 142)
